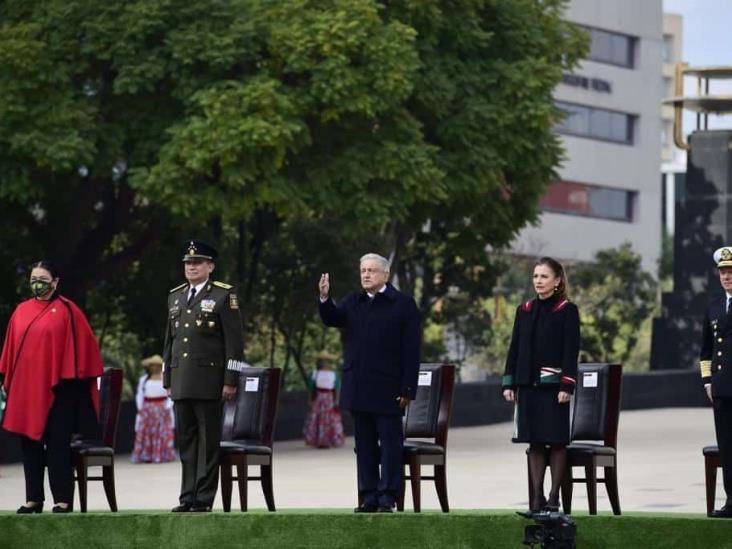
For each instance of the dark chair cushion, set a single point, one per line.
(711, 451)
(245, 447)
(421, 421)
(590, 449)
(91, 448)
(418, 447)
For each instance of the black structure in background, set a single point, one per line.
(703, 224)
(473, 404)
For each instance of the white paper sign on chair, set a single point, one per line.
(589, 379)
(425, 378)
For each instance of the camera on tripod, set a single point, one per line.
(553, 530)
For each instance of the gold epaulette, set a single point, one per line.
(222, 285)
(179, 287)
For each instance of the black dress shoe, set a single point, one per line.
(200, 508)
(366, 508)
(724, 512)
(384, 509)
(182, 508)
(60, 509)
(24, 510)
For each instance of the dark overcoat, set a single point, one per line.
(382, 339)
(544, 351)
(716, 348)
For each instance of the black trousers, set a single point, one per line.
(379, 457)
(723, 427)
(71, 401)
(198, 432)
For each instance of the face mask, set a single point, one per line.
(40, 287)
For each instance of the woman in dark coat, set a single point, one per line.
(540, 376)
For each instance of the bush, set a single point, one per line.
(616, 299)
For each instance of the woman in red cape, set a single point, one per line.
(49, 365)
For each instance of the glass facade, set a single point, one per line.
(611, 47)
(597, 123)
(571, 197)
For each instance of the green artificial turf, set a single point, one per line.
(341, 529)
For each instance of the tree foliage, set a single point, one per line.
(616, 300)
(291, 133)
(615, 296)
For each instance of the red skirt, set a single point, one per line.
(154, 437)
(324, 426)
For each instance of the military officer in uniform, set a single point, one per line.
(203, 354)
(716, 369)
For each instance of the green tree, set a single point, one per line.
(484, 100)
(423, 127)
(616, 300)
(116, 115)
(615, 296)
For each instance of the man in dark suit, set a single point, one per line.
(382, 337)
(202, 357)
(716, 369)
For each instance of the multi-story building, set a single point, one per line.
(608, 189)
(670, 55)
(673, 167)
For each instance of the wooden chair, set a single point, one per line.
(99, 451)
(248, 430)
(428, 417)
(594, 433)
(712, 462)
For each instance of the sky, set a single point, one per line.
(707, 40)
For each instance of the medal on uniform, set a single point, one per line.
(199, 322)
(211, 324)
(207, 305)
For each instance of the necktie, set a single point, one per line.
(192, 296)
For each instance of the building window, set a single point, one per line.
(668, 86)
(667, 133)
(667, 48)
(611, 47)
(573, 198)
(597, 123)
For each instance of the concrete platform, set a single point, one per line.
(660, 469)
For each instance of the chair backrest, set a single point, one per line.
(596, 403)
(251, 415)
(110, 394)
(428, 415)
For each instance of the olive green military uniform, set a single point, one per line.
(204, 345)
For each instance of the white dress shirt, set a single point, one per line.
(198, 287)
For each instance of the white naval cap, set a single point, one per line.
(723, 257)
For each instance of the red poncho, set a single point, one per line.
(46, 342)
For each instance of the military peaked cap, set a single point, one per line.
(195, 249)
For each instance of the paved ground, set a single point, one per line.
(660, 469)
